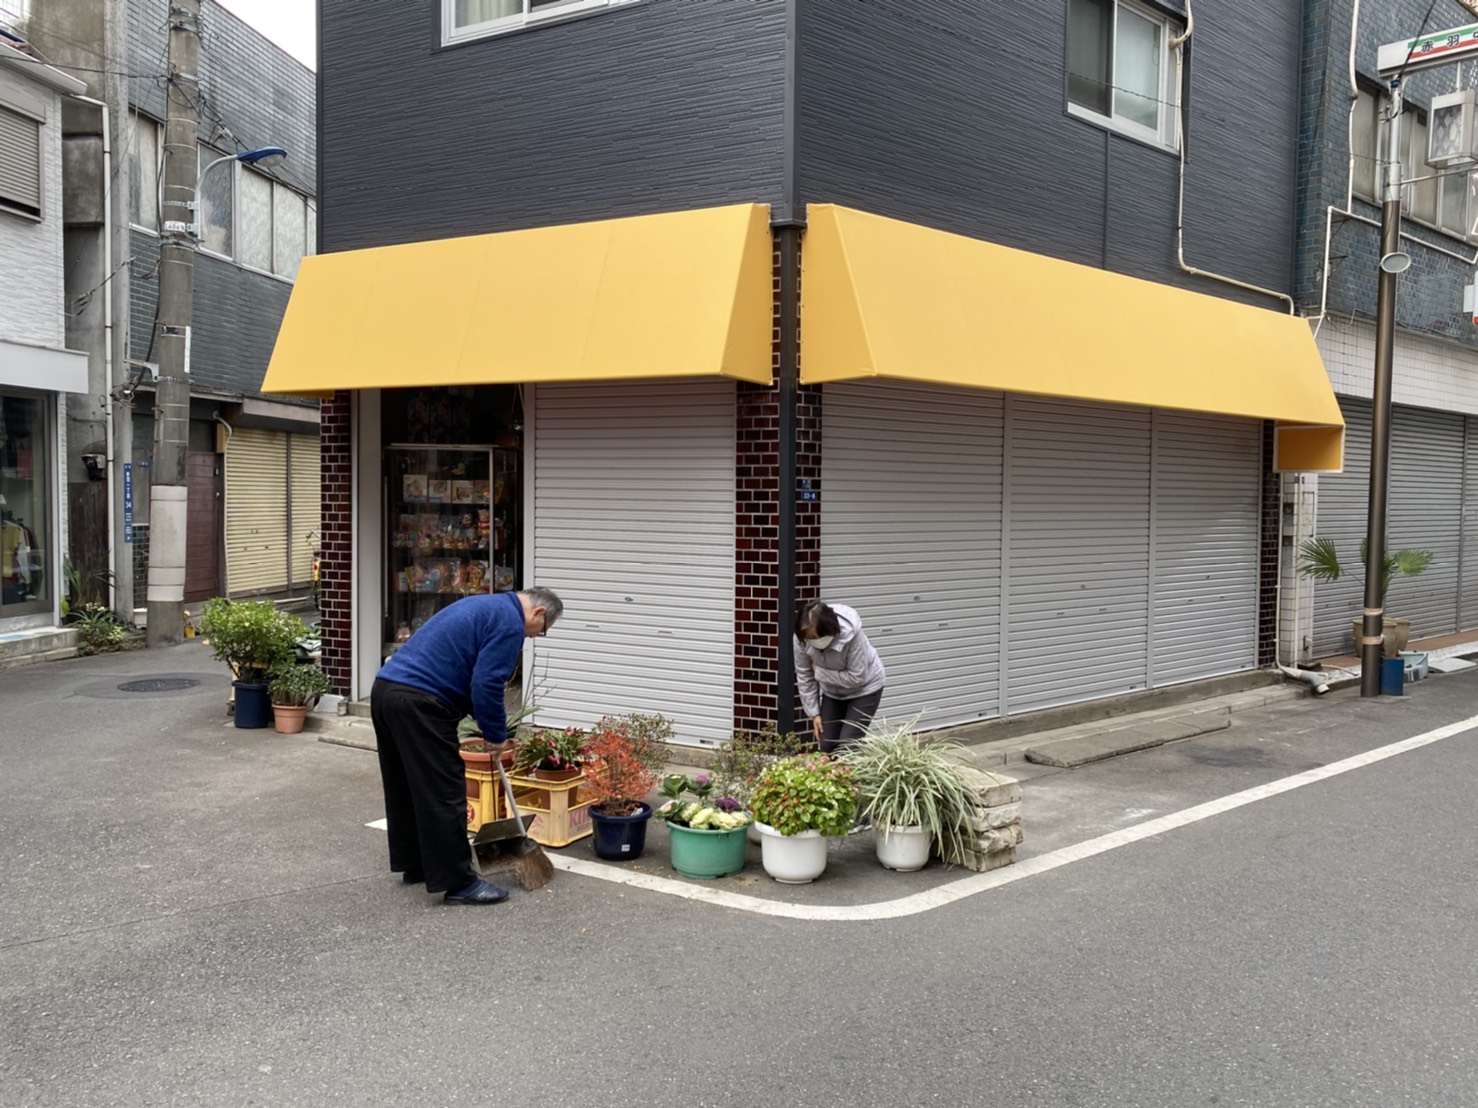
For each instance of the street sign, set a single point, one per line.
(128, 502)
(1442, 48)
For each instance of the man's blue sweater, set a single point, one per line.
(465, 654)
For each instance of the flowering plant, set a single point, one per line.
(550, 748)
(724, 814)
(807, 793)
(624, 756)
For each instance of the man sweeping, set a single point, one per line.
(456, 665)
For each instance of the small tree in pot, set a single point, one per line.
(623, 755)
(1319, 559)
(250, 636)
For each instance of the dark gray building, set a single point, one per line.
(1009, 364)
(253, 460)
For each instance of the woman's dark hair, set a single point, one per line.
(816, 620)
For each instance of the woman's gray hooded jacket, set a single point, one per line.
(848, 668)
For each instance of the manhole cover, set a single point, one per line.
(158, 684)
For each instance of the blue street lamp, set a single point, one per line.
(264, 157)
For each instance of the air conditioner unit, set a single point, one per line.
(1452, 138)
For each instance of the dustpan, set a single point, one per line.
(511, 834)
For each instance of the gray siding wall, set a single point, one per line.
(1429, 296)
(263, 97)
(954, 115)
(658, 106)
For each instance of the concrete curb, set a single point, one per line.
(1071, 753)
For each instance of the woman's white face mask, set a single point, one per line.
(821, 642)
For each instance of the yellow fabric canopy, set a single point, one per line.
(679, 295)
(883, 298)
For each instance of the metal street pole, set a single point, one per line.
(169, 491)
(1373, 618)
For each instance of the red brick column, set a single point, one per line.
(336, 569)
(757, 535)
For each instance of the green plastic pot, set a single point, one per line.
(704, 854)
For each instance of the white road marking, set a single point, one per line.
(982, 882)
(378, 824)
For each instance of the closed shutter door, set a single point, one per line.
(1078, 479)
(1468, 616)
(307, 490)
(256, 512)
(20, 161)
(911, 538)
(1206, 530)
(1343, 499)
(633, 514)
(1425, 512)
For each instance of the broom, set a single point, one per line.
(533, 867)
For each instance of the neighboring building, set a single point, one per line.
(37, 371)
(253, 461)
(703, 307)
(1434, 430)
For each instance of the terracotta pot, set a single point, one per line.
(289, 718)
(555, 774)
(1397, 635)
(483, 759)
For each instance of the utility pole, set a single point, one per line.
(169, 492)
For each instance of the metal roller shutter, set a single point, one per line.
(911, 537)
(1468, 598)
(256, 512)
(1343, 499)
(1205, 529)
(307, 491)
(633, 514)
(1424, 510)
(1078, 553)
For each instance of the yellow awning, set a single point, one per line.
(882, 298)
(680, 295)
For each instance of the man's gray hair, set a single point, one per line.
(547, 599)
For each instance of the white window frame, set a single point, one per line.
(1413, 164)
(137, 119)
(451, 34)
(1166, 134)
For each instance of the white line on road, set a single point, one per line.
(1031, 867)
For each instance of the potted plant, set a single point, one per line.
(798, 803)
(706, 837)
(1319, 559)
(913, 792)
(550, 753)
(737, 762)
(250, 636)
(294, 690)
(623, 757)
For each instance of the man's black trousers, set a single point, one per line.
(425, 786)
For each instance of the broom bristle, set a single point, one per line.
(534, 870)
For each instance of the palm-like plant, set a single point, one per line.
(904, 780)
(1320, 560)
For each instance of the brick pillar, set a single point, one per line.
(757, 535)
(336, 568)
(1269, 556)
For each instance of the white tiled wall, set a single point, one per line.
(1427, 372)
(30, 252)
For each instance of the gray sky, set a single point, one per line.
(291, 24)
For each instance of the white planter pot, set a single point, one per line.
(903, 848)
(792, 859)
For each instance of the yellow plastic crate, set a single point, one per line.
(560, 817)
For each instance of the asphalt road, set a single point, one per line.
(192, 914)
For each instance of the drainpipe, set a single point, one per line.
(787, 384)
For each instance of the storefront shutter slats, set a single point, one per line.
(1206, 541)
(633, 514)
(256, 512)
(1468, 600)
(1342, 502)
(307, 507)
(911, 525)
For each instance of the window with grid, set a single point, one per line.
(1444, 200)
(1119, 69)
(20, 163)
(469, 19)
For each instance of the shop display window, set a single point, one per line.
(25, 498)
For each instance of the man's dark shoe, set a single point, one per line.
(413, 877)
(479, 892)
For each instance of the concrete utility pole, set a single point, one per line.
(169, 493)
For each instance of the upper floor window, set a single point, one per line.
(143, 171)
(1443, 200)
(20, 158)
(468, 19)
(1119, 69)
